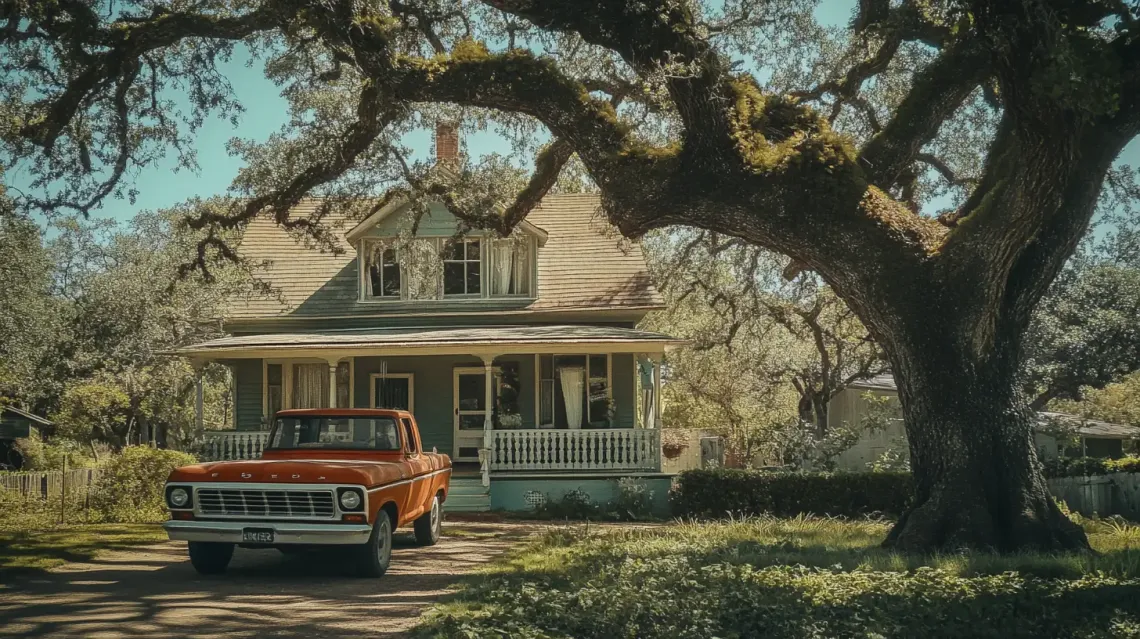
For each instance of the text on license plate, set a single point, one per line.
(257, 535)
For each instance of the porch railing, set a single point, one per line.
(558, 449)
(232, 444)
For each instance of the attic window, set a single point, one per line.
(383, 273)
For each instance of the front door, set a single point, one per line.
(470, 411)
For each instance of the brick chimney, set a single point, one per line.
(447, 143)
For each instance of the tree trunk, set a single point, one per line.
(978, 481)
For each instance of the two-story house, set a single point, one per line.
(518, 356)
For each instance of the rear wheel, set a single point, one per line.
(430, 524)
(210, 558)
(373, 558)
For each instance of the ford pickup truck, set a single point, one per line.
(327, 477)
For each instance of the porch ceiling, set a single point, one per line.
(483, 340)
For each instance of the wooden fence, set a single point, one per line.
(49, 484)
(1102, 495)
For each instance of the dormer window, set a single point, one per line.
(435, 268)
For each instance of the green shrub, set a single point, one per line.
(130, 489)
(634, 501)
(716, 493)
(575, 504)
(1085, 466)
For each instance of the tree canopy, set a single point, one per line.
(744, 118)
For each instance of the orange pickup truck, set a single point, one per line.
(328, 477)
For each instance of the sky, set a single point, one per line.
(161, 186)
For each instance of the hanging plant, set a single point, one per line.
(674, 442)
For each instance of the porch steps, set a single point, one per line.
(468, 495)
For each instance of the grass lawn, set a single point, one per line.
(803, 577)
(24, 550)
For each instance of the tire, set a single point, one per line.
(430, 524)
(373, 558)
(210, 558)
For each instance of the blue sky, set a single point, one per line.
(161, 186)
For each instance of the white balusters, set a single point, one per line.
(228, 445)
(558, 449)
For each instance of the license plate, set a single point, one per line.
(257, 535)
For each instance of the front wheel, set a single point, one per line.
(430, 524)
(210, 558)
(374, 557)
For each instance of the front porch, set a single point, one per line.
(572, 399)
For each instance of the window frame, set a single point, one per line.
(286, 364)
(411, 377)
(465, 261)
(539, 380)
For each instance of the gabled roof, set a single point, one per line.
(43, 421)
(398, 203)
(584, 265)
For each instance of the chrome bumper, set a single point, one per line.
(283, 532)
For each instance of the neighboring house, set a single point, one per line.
(518, 356)
(1081, 436)
(16, 424)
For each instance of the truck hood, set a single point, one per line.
(294, 471)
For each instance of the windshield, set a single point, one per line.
(367, 433)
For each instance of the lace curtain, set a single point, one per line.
(310, 386)
(573, 384)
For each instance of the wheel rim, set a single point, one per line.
(385, 541)
(435, 515)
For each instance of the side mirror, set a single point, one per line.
(434, 451)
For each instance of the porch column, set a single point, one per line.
(656, 359)
(332, 381)
(488, 414)
(199, 396)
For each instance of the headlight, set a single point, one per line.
(350, 500)
(179, 497)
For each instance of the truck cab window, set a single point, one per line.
(409, 436)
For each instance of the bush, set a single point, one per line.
(716, 493)
(1085, 466)
(130, 489)
(634, 502)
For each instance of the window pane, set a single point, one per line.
(472, 391)
(409, 436)
(393, 392)
(391, 286)
(471, 422)
(473, 250)
(453, 278)
(473, 278)
(452, 250)
(335, 432)
(273, 372)
(546, 402)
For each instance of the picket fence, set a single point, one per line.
(50, 484)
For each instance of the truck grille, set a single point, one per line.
(300, 504)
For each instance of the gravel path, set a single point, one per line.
(154, 592)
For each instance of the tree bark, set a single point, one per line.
(978, 480)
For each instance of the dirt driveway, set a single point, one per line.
(154, 592)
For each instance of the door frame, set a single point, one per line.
(496, 378)
(411, 377)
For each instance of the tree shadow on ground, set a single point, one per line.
(154, 592)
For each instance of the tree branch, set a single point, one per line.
(938, 92)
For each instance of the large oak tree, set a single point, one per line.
(652, 98)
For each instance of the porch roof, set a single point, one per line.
(482, 340)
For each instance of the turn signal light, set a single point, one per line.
(356, 519)
(181, 515)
